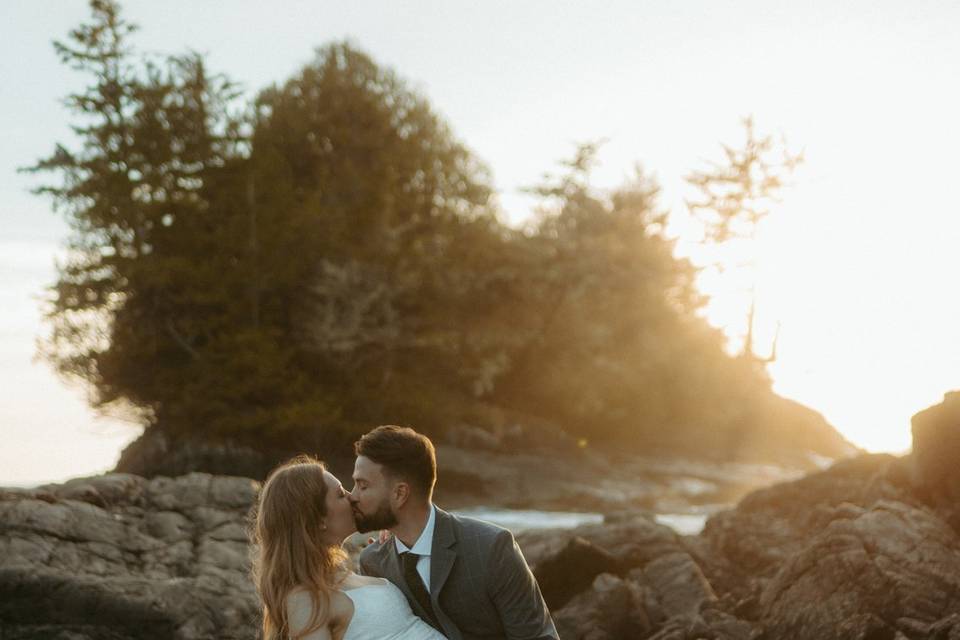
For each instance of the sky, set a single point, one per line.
(857, 264)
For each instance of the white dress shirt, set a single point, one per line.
(422, 548)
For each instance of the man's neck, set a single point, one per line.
(411, 524)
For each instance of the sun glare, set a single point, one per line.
(859, 305)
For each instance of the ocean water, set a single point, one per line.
(518, 520)
(688, 524)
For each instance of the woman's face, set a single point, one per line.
(339, 518)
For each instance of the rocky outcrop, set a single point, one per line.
(868, 549)
(742, 548)
(156, 453)
(610, 608)
(936, 452)
(568, 562)
(627, 578)
(119, 556)
(880, 570)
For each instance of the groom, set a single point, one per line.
(465, 577)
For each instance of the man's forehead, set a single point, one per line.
(366, 469)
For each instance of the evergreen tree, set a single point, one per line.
(617, 337)
(140, 294)
(231, 286)
(371, 204)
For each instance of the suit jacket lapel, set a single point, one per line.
(443, 555)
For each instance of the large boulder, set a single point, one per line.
(678, 584)
(936, 451)
(741, 549)
(631, 538)
(572, 569)
(611, 609)
(874, 572)
(710, 624)
(119, 556)
(629, 577)
(566, 563)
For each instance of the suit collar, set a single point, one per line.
(444, 535)
(423, 546)
(443, 554)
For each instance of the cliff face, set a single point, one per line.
(868, 549)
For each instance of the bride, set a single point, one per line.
(307, 590)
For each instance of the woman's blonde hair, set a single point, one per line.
(287, 526)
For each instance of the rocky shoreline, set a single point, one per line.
(845, 553)
(539, 468)
(118, 556)
(868, 549)
(568, 481)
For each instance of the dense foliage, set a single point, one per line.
(329, 257)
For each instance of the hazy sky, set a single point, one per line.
(859, 264)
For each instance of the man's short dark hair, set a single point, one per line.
(404, 453)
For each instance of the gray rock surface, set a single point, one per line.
(118, 556)
(612, 608)
(573, 569)
(679, 585)
(893, 566)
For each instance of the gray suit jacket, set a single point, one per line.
(480, 585)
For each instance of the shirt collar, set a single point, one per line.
(424, 543)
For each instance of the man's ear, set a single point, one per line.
(400, 494)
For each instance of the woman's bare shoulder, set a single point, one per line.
(300, 605)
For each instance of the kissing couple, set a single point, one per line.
(438, 576)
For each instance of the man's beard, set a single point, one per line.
(382, 518)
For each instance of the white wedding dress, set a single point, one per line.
(381, 612)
